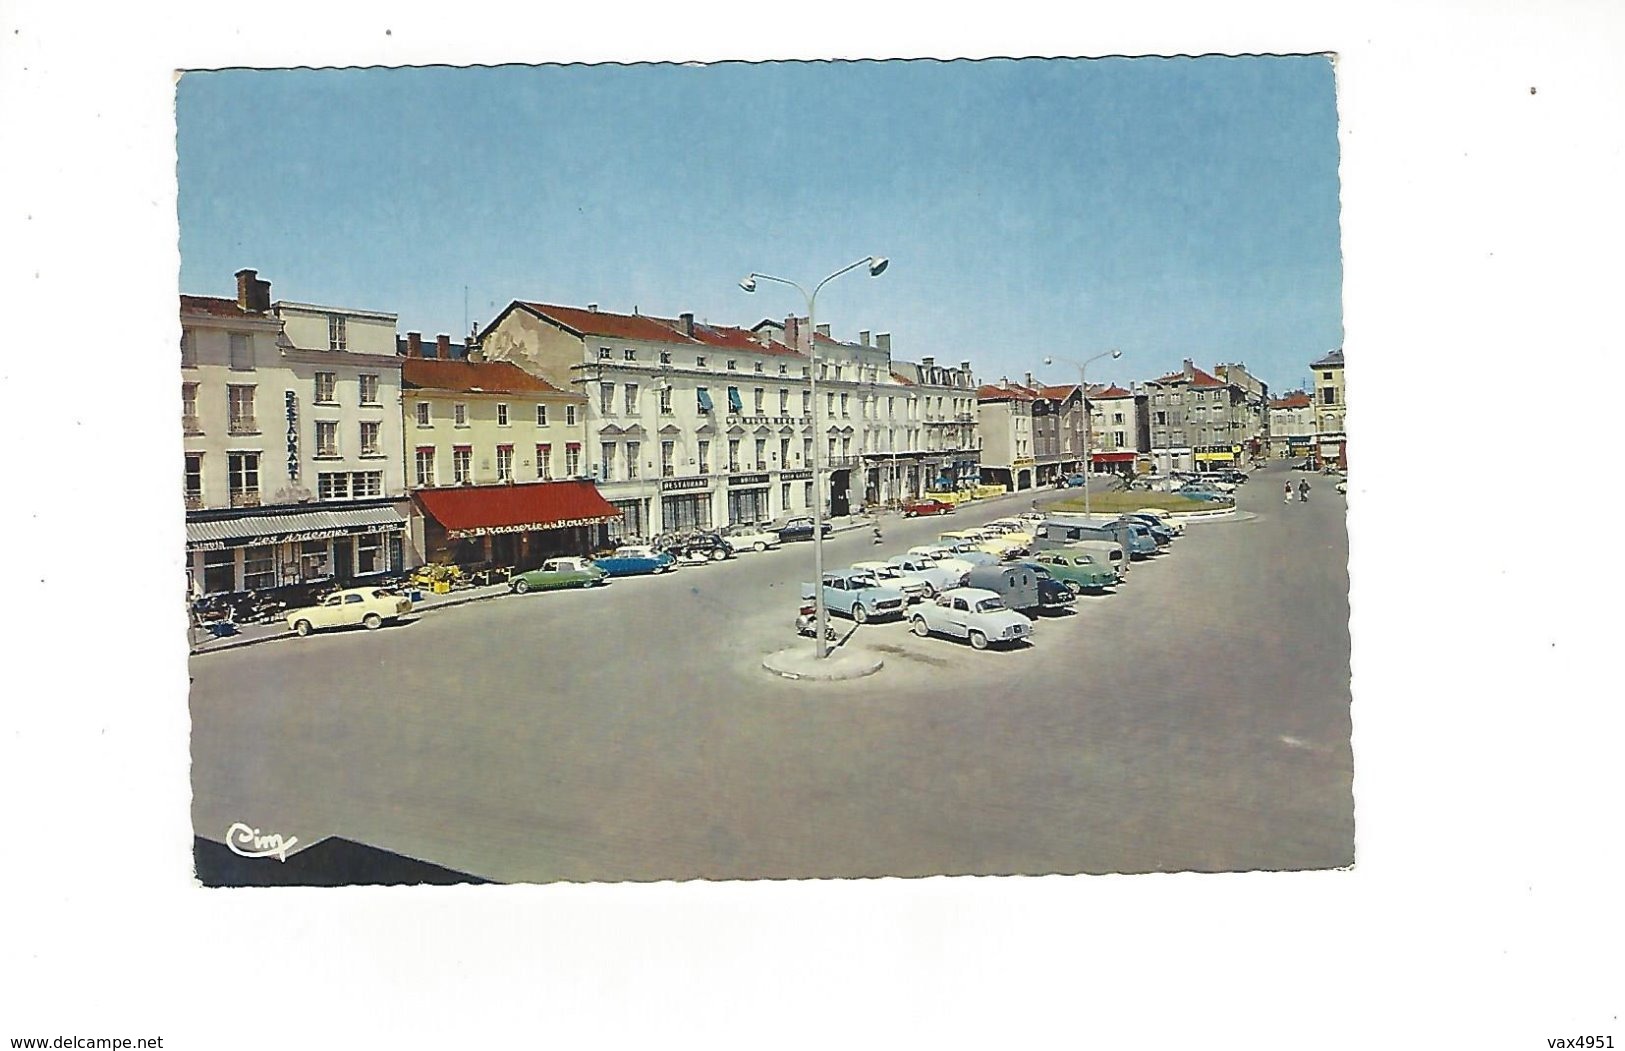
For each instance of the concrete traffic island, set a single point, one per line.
(801, 662)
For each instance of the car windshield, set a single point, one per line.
(925, 563)
(989, 605)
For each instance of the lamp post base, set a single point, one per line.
(800, 663)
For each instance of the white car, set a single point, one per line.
(943, 556)
(886, 575)
(975, 614)
(941, 577)
(369, 607)
(750, 538)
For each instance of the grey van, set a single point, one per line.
(1062, 532)
(1016, 584)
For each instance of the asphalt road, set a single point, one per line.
(1196, 719)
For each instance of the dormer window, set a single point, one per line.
(604, 354)
(732, 364)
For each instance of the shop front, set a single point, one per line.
(1217, 457)
(518, 526)
(1112, 463)
(749, 499)
(285, 548)
(685, 504)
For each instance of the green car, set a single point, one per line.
(1078, 570)
(558, 573)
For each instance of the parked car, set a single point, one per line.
(1077, 569)
(887, 575)
(635, 559)
(857, 596)
(1014, 583)
(558, 573)
(1052, 594)
(1169, 522)
(940, 577)
(751, 538)
(915, 508)
(1153, 528)
(369, 607)
(1076, 481)
(999, 545)
(975, 614)
(944, 556)
(800, 528)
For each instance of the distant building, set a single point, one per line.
(1292, 427)
(292, 438)
(1330, 406)
(1004, 424)
(1200, 422)
(1116, 429)
(947, 399)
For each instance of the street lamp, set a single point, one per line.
(1083, 388)
(876, 265)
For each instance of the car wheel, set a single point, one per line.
(859, 614)
(759, 546)
(302, 628)
(978, 640)
(372, 622)
(918, 627)
(521, 586)
(718, 554)
(930, 590)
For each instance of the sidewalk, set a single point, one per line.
(202, 641)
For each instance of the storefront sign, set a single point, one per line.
(291, 538)
(290, 402)
(747, 479)
(668, 485)
(530, 527)
(1227, 455)
(794, 476)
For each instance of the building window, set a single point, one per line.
(240, 410)
(1117, 439)
(1162, 419)
(1328, 395)
(369, 554)
(784, 402)
(844, 411)
(462, 465)
(1325, 375)
(705, 457)
(504, 463)
(369, 388)
(733, 454)
(1117, 417)
(459, 415)
(333, 485)
(759, 393)
(832, 449)
(194, 481)
(784, 370)
(735, 404)
(541, 415)
(806, 450)
(829, 404)
(189, 420)
(327, 438)
(807, 494)
(606, 456)
(702, 399)
(761, 454)
(242, 358)
(665, 401)
(335, 332)
(784, 495)
(220, 571)
(632, 458)
(544, 462)
(665, 357)
(365, 484)
(629, 354)
(425, 466)
(259, 567)
(806, 403)
(699, 361)
(631, 398)
(502, 415)
(423, 413)
(846, 447)
(243, 469)
(188, 348)
(604, 354)
(606, 399)
(572, 460)
(668, 453)
(569, 415)
(369, 438)
(784, 452)
(732, 364)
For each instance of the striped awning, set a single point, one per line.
(316, 523)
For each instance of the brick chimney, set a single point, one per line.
(863, 337)
(414, 344)
(823, 330)
(1029, 382)
(686, 320)
(592, 308)
(883, 341)
(792, 332)
(928, 362)
(442, 347)
(253, 295)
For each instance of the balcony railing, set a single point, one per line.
(190, 425)
(244, 425)
(245, 498)
(194, 501)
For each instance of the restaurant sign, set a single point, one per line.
(668, 485)
(747, 479)
(530, 527)
(290, 538)
(290, 402)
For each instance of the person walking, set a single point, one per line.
(1287, 490)
(1303, 491)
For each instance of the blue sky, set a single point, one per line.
(1171, 208)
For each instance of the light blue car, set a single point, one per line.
(634, 560)
(855, 594)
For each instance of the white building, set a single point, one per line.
(291, 416)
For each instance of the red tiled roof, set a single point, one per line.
(1114, 391)
(1291, 400)
(216, 305)
(602, 323)
(1202, 379)
(476, 510)
(494, 377)
(1059, 393)
(731, 337)
(991, 392)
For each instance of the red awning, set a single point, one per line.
(1113, 457)
(481, 510)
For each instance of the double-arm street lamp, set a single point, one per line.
(1083, 392)
(876, 265)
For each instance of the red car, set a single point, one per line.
(927, 507)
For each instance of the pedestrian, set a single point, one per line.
(1303, 491)
(1287, 489)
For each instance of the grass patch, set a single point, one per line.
(1117, 502)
